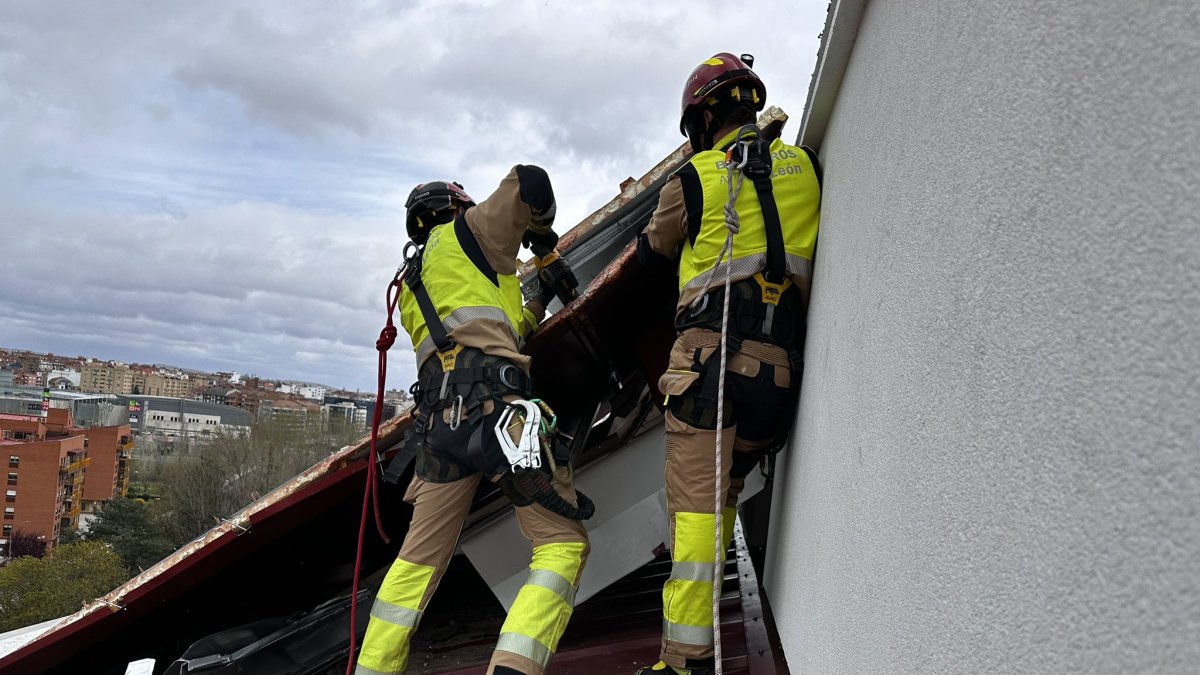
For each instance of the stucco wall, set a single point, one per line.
(997, 467)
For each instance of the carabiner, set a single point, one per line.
(411, 250)
(745, 155)
(456, 413)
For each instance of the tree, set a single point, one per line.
(70, 535)
(39, 589)
(136, 534)
(219, 477)
(25, 544)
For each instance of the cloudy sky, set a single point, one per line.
(220, 185)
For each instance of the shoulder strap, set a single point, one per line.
(816, 164)
(693, 199)
(412, 279)
(758, 170)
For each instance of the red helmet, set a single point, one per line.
(715, 75)
(432, 204)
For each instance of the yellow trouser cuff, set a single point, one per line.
(687, 595)
(544, 604)
(394, 618)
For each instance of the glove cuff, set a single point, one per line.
(546, 239)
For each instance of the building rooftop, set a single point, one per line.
(603, 384)
(60, 394)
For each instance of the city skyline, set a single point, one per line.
(242, 375)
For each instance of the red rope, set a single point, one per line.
(387, 337)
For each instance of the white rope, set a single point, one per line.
(734, 182)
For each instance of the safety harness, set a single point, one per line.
(766, 306)
(473, 387)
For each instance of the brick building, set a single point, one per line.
(155, 384)
(55, 469)
(108, 475)
(106, 378)
(46, 460)
(110, 378)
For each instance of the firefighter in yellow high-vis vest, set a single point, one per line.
(461, 305)
(777, 217)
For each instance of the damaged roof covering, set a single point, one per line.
(294, 547)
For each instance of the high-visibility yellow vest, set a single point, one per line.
(797, 194)
(463, 287)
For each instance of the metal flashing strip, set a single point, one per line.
(764, 654)
(837, 43)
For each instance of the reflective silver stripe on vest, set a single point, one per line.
(554, 582)
(700, 636)
(395, 614)
(523, 645)
(692, 571)
(461, 316)
(363, 670)
(744, 267)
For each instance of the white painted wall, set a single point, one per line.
(997, 466)
(315, 393)
(70, 374)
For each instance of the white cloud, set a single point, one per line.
(221, 185)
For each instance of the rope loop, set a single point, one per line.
(387, 338)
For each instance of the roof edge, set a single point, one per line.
(207, 543)
(837, 43)
(630, 190)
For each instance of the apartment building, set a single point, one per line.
(110, 378)
(107, 378)
(156, 384)
(44, 475)
(109, 449)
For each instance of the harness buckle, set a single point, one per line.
(456, 412)
(772, 292)
(507, 379)
(449, 358)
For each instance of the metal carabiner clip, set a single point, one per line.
(412, 260)
(745, 155)
(456, 413)
(411, 250)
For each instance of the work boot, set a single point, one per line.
(694, 667)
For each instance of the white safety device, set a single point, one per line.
(527, 454)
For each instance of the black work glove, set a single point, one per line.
(535, 241)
